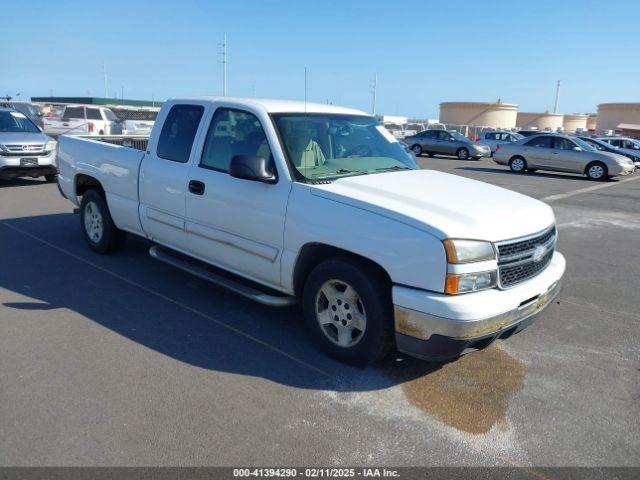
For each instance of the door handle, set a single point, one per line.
(196, 187)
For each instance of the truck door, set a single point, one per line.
(234, 223)
(163, 176)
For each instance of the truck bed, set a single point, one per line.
(116, 167)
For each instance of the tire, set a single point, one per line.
(417, 150)
(329, 295)
(97, 226)
(597, 171)
(51, 178)
(518, 165)
(462, 154)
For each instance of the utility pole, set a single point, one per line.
(374, 92)
(104, 78)
(555, 107)
(224, 65)
(121, 92)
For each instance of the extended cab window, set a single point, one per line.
(178, 132)
(542, 142)
(233, 132)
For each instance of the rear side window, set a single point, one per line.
(543, 142)
(490, 136)
(178, 132)
(93, 114)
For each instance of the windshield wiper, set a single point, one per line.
(340, 172)
(395, 167)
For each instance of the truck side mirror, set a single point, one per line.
(251, 167)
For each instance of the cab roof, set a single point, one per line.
(275, 105)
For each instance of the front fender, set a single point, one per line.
(410, 256)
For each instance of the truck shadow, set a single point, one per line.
(21, 182)
(171, 312)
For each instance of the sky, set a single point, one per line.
(423, 52)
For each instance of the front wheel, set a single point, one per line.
(417, 150)
(597, 171)
(98, 229)
(517, 164)
(347, 309)
(462, 154)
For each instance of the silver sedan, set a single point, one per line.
(561, 153)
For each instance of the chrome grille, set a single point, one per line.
(522, 259)
(27, 148)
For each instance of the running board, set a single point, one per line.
(199, 269)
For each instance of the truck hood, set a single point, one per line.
(444, 205)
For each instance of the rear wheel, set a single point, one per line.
(347, 308)
(597, 171)
(518, 164)
(417, 150)
(98, 229)
(462, 154)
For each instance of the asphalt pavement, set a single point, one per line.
(121, 360)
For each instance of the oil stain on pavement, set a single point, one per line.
(471, 394)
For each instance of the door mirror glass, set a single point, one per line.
(251, 167)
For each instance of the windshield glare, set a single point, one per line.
(458, 136)
(16, 122)
(325, 146)
(584, 145)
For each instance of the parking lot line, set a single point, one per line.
(560, 196)
(171, 300)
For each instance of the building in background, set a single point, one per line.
(542, 121)
(612, 115)
(480, 114)
(574, 122)
(592, 120)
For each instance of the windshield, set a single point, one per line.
(109, 115)
(458, 136)
(327, 146)
(16, 122)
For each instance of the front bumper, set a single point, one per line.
(439, 327)
(622, 169)
(10, 166)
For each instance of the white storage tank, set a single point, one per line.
(480, 114)
(541, 121)
(610, 115)
(574, 121)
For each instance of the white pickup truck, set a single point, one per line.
(281, 200)
(83, 120)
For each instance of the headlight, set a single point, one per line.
(466, 251)
(470, 282)
(51, 145)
